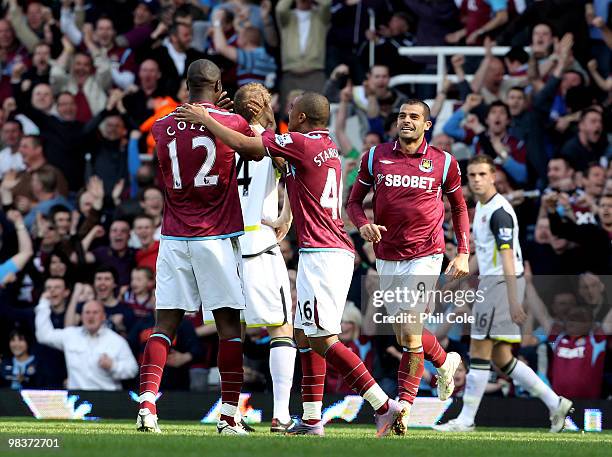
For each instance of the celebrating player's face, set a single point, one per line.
(481, 178)
(411, 123)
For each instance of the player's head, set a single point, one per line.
(253, 92)
(204, 81)
(481, 175)
(413, 120)
(308, 112)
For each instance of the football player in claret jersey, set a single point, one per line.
(326, 254)
(199, 262)
(408, 177)
(266, 281)
(500, 312)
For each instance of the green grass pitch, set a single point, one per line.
(180, 439)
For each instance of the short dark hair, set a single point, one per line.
(55, 209)
(58, 278)
(587, 111)
(517, 88)
(499, 103)
(12, 120)
(422, 104)
(108, 269)
(483, 159)
(316, 108)
(36, 139)
(144, 216)
(18, 333)
(147, 271)
(517, 53)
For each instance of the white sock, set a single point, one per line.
(312, 410)
(475, 385)
(229, 410)
(376, 397)
(282, 363)
(531, 382)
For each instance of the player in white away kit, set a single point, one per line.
(266, 281)
(326, 254)
(500, 312)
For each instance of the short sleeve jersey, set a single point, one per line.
(314, 186)
(199, 178)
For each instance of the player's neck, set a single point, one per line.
(202, 98)
(484, 198)
(411, 147)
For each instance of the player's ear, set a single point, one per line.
(218, 86)
(428, 125)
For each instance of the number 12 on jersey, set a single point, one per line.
(201, 179)
(332, 194)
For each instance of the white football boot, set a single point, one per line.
(147, 422)
(223, 428)
(454, 425)
(446, 373)
(557, 418)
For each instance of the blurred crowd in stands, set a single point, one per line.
(82, 81)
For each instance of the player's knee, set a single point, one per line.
(502, 356)
(480, 349)
(410, 341)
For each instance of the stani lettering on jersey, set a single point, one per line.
(324, 156)
(416, 182)
(181, 126)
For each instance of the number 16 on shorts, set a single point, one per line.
(307, 312)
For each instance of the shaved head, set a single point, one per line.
(315, 107)
(203, 77)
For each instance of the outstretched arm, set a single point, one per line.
(251, 148)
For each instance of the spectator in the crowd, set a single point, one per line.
(61, 131)
(254, 63)
(480, 18)
(12, 266)
(144, 26)
(594, 181)
(20, 371)
(88, 80)
(140, 296)
(118, 314)
(592, 293)
(117, 254)
(12, 52)
(51, 362)
(388, 39)
(494, 140)
(587, 145)
(436, 19)
(97, 358)
(302, 35)
(605, 213)
(27, 78)
(29, 27)
(138, 98)
(10, 137)
(148, 246)
(175, 55)
(592, 243)
(46, 192)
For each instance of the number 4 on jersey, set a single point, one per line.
(331, 198)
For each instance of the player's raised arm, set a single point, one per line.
(250, 148)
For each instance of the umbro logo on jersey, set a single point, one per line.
(386, 162)
(426, 165)
(283, 140)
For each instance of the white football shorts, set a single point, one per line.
(323, 281)
(412, 281)
(199, 273)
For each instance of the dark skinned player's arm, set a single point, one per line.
(251, 148)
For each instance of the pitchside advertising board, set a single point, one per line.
(590, 416)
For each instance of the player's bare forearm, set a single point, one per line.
(250, 148)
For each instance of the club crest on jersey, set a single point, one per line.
(426, 165)
(379, 178)
(283, 140)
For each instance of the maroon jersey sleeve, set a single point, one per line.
(461, 221)
(363, 184)
(289, 146)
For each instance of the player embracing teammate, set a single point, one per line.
(326, 253)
